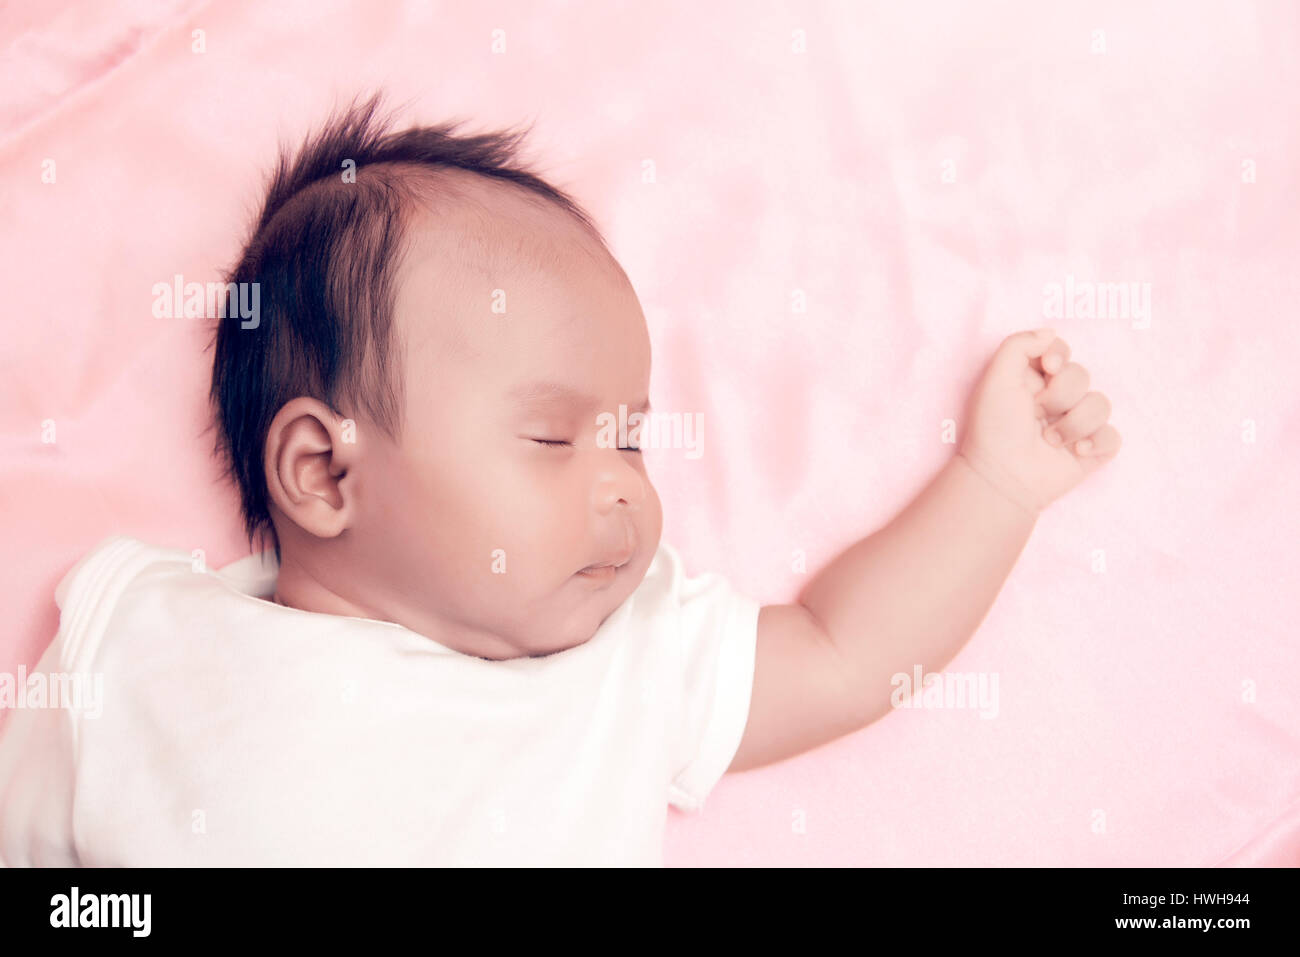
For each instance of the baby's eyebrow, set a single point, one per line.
(541, 393)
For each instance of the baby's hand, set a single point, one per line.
(1032, 427)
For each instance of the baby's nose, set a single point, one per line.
(619, 484)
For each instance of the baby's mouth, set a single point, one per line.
(600, 573)
(605, 571)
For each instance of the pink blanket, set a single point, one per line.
(832, 215)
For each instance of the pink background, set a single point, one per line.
(1121, 692)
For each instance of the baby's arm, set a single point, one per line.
(914, 592)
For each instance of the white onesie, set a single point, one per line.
(230, 730)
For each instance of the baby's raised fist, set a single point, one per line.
(1033, 428)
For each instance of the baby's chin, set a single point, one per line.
(578, 631)
(584, 604)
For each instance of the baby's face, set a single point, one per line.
(485, 530)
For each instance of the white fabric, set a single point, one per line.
(233, 730)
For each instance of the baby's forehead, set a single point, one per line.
(501, 238)
(473, 241)
(485, 222)
(460, 267)
(483, 257)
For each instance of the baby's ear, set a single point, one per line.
(309, 451)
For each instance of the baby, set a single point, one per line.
(470, 645)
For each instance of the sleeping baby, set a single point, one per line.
(465, 642)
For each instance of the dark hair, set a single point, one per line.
(323, 252)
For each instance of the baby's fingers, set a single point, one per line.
(1065, 391)
(1102, 444)
(1055, 358)
(1084, 419)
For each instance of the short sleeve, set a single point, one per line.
(39, 745)
(37, 756)
(717, 639)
